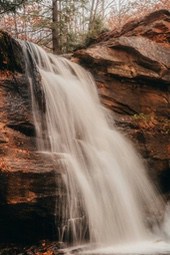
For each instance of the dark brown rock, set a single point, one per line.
(31, 187)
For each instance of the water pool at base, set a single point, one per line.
(156, 247)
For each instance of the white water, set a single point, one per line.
(108, 190)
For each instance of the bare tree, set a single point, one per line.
(55, 26)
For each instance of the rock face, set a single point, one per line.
(132, 71)
(155, 26)
(29, 183)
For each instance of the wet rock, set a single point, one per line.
(30, 184)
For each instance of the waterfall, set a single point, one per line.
(109, 195)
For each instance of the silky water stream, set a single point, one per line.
(109, 196)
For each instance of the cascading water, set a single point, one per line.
(108, 190)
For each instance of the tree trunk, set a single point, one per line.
(55, 28)
(91, 15)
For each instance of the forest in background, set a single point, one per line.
(62, 26)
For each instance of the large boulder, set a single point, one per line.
(155, 26)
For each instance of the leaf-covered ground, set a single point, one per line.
(41, 248)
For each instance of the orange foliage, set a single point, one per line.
(28, 23)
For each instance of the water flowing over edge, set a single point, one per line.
(109, 195)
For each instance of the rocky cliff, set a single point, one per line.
(28, 189)
(132, 71)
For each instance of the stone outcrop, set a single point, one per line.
(155, 26)
(132, 71)
(28, 190)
